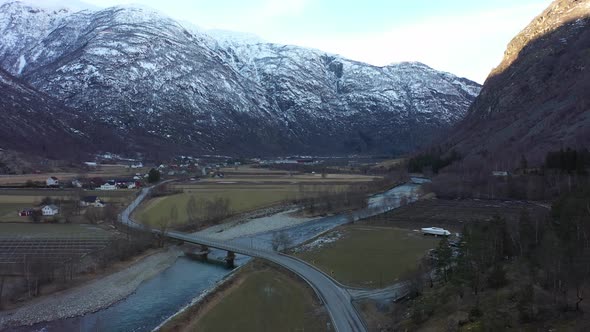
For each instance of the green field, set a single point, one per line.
(265, 301)
(370, 256)
(51, 230)
(242, 198)
(240, 201)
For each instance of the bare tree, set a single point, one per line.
(173, 215)
(281, 241)
(93, 215)
(192, 210)
(110, 213)
(36, 215)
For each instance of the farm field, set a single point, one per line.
(14, 200)
(240, 200)
(364, 256)
(104, 171)
(261, 300)
(246, 189)
(37, 231)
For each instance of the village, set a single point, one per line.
(111, 181)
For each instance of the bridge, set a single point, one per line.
(337, 300)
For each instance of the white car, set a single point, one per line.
(436, 231)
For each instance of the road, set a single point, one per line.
(337, 300)
(391, 293)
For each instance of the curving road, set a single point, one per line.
(336, 299)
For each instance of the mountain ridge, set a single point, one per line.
(535, 101)
(146, 74)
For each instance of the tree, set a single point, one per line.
(523, 163)
(173, 214)
(443, 256)
(110, 213)
(526, 232)
(192, 210)
(154, 175)
(93, 215)
(280, 241)
(36, 215)
(497, 278)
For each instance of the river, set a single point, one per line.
(162, 296)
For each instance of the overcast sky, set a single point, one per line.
(464, 37)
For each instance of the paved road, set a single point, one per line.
(337, 300)
(391, 293)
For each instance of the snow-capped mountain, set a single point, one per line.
(159, 83)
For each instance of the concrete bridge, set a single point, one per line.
(337, 300)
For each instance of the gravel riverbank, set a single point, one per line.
(239, 228)
(96, 295)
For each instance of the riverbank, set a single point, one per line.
(100, 293)
(251, 226)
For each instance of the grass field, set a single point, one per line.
(240, 200)
(242, 197)
(264, 301)
(370, 256)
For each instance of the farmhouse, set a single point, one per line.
(111, 185)
(52, 181)
(125, 183)
(50, 210)
(92, 201)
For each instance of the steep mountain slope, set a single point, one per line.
(537, 99)
(38, 124)
(351, 105)
(160, 84)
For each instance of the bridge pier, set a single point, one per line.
(201, 255)
(229, 259)
(204, 252)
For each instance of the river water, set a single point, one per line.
(162, 296)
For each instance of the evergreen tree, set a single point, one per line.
(154, 176)
(443, 256)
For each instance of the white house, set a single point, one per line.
(50, 210)
(92, 201)
(52, 181)
(108, 186)
(500, 173)
(76, 183)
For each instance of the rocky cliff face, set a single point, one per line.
(161, 84)
(537, 99)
